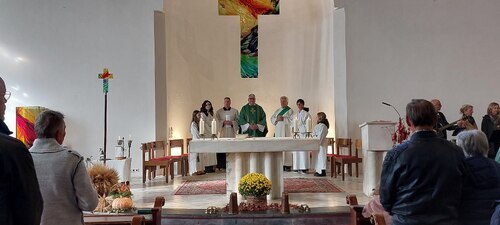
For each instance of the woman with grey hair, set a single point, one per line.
(482, 179)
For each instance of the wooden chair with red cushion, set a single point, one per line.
(348, 158)
(356, 211)
(329, 156)
(176, 143)
(153, 156)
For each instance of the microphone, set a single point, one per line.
(387, 104)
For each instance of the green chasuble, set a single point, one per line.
(253, 114)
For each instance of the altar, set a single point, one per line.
(261, 155)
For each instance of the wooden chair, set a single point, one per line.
(329, 157)
(185, 155)
(153, 156)
(347, 159)
(356, 211)
(176, 143)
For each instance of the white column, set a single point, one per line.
(254, 162)
(238, 169)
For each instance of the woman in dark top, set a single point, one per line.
(490, 123)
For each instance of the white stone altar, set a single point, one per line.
(376, 141)
(262, 155)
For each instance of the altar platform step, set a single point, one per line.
(338, 215)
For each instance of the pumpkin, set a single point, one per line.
(122, 203)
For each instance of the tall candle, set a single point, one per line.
(214, 127)
(202, 126)
(295, 125)
(308, 125)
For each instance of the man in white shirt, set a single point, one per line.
(282, 119)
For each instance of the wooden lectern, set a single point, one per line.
(376, 141)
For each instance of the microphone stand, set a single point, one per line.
(387, 104)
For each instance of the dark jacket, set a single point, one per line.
(20, 198)
(481, 189)
(488, 126)
(441, 122)
(422, 181)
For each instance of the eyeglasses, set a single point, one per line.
(6, 95)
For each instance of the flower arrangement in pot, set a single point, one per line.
(255, 187)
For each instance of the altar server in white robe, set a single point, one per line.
(301, 158)
(207, 115)
(320, 131)
(195, 164)
(282, 119)
(227, 122)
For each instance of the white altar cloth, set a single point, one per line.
(262, 155)
(122, 167)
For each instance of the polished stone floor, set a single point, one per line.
(144, 194)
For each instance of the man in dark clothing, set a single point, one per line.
(422, 177)
(442, 124)
(20, 198)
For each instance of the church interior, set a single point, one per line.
(343, 57)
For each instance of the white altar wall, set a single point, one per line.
(398, 50)
(203, 59)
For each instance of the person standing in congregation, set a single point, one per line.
(207, 115)
(442, 124)
(422, 178)
(227, 119)
(482, 180)
(64, 182)
(490, 123)
(320, 131)
(282, 119)
(301, 158)
(20, 198)
(195, 163)
(252, 119)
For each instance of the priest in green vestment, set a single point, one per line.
(253, 119)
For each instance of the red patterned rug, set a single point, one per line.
(292, 185)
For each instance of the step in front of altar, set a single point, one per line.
(339, 215)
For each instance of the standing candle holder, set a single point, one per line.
(129, 143)
(295, 133)
(202, 136)
(308, 134)
(214, 136)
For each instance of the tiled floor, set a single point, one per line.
(144, 194)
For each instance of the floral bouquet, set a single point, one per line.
(402, 132)
(254, 184)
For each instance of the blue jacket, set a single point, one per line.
(422, 181)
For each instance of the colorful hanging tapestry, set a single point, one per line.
(25, 123)
(249, 10)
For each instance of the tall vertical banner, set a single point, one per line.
(25, 123)
(248, 11)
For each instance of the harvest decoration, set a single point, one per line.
(254, 184)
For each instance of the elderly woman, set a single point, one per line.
(482, 179)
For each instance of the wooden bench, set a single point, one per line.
(151, 216)
(357, 217)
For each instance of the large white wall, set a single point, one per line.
(203, 59)
(397, 50)
(64, 45)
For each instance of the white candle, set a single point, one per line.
(214, 127)
(202, 126)
(308, 125)
(295, 125)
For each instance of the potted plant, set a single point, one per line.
(255, 187)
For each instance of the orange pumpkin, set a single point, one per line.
(122, 203)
